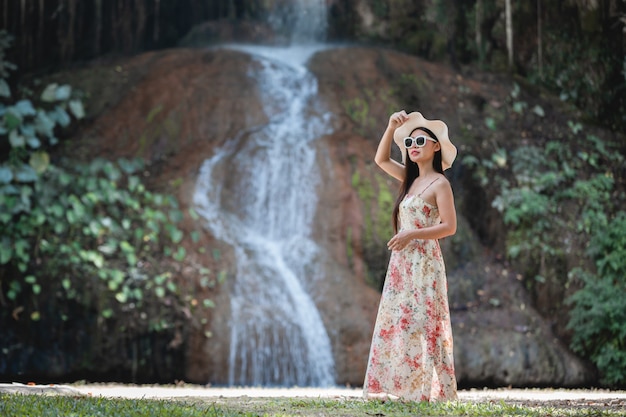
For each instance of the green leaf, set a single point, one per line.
(176, 215)
(71, 217)
(49, 93)
(519, 106)
(538, 110)
(122, 297)
(16, 140)
(44, 125)
(113, 285)
(12, 119)
(5, 90)
(109, 248)
(133, 182)
(39, 161)
(60, 228)
(6, 175)
(77, 109)
(176, 235)
(160, 292)
(6, 250)
(194, 215)
(180, 254)
(127, 247)
(130, 166)
(63, 92)
(25, 173)
(25, 107)
(60, 115)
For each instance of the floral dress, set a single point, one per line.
(411, 353)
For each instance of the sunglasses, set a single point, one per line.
(419, 141)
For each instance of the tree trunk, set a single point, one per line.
(98, 27)
(40, 36)
(140, 24)
(509, 32)
(155, 33)
(479, 32)
(539, 41)
(71, 28)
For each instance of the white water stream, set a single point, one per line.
(258, 193)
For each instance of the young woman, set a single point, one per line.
(411, 354)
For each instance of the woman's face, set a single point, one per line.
(425, 153)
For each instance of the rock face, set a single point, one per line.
(182, 104)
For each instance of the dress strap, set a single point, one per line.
(432, 182)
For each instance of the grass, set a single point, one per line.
(14, 405)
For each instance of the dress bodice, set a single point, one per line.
(416, 213)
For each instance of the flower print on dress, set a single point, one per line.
(412, 348)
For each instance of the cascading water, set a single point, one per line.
(277, 334)
(303, 20)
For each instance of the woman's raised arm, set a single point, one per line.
(383, 153)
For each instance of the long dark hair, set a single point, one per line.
(411, 172)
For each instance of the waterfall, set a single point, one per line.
(258, 193)
(304, 21)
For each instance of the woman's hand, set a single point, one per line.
(401, 240)
(397, 119)
(383, 152)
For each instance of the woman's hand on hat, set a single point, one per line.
(397, 119)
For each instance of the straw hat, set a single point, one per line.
(439, 128)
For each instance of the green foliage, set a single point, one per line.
(598, 315)
(83, 240)
(87, 232)
(581, 85)
(358, 110)
(554, 197)
(91, 233)
(536, 182)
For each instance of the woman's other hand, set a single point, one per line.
(401, 240)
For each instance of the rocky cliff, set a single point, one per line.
(175, 107)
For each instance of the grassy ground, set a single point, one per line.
(14, 405)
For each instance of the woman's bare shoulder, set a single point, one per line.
(442, 180)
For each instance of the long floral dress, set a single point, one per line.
(411, 353)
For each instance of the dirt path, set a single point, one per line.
(598, 399)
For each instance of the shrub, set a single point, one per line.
(598, 316)
(554, 198)
(85, 248)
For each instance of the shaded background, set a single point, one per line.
(540, 186)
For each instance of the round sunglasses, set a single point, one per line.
(419, 141)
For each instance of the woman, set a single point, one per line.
(411, 353)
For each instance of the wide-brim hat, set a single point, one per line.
(439, 128)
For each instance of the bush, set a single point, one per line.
(555, 197)
(598, 316)
(88, 255)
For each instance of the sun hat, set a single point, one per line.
(439, 128)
